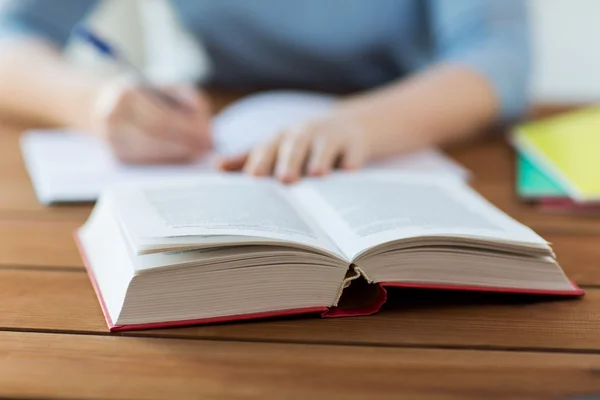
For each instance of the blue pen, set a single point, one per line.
(104, 48)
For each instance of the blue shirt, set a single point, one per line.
(331, 44)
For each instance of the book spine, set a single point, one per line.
(358, 296)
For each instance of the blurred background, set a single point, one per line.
(566, 63)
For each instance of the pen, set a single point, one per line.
(104, 48)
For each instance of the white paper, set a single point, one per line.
(366, 209)
(253, 120)
(72, 167)
(221, 205)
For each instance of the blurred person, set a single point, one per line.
(421, 73)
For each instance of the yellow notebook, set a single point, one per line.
(567, 148)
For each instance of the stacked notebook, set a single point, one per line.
(558, 163)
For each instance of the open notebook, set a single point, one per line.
(229, 247)
(68, 167)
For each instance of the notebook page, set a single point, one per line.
(71, 167)
(253, 120)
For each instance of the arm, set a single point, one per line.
(39, 85)
(54, 95)
(476, 76)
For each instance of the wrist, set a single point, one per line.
(80, 108)
(355, 121)
(388, 127)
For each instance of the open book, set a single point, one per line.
(73, 167)
(226, 248)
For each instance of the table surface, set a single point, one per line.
(426, 344)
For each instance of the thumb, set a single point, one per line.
(233, 163)
(190, 96)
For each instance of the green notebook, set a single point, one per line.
(534, 183)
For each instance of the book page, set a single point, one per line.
(362, 210)
(216, 206)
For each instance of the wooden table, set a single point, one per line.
(426, 345)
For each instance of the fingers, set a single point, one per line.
(140, 128)
(196, 118)
(193, 98)
(292, 155)
(170, 122)
(146, 113)
(284, 156)
(261, 160)
(324, 154)
(132, 146)
(232, 164)
(313, 149)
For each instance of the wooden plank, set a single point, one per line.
(49, 300)
(93, 367)
(39, 243)
(65, 301)
(579, 255)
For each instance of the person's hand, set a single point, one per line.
(141, 129)
(313, 149)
